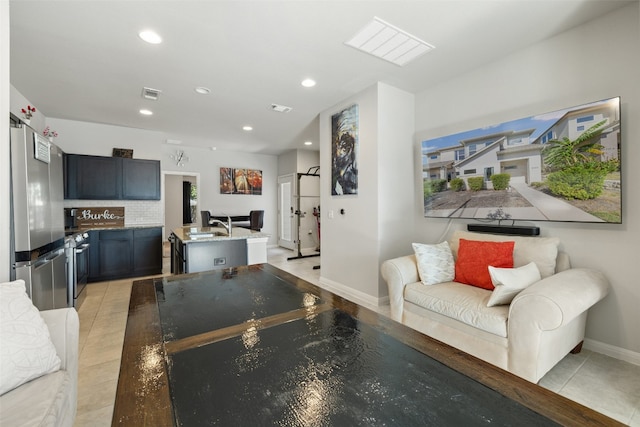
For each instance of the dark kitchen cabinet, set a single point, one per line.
(111, 178)
(92, 177)
(147, 251)
(122, 253)
(140, 179)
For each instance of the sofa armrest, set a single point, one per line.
(398, 273)
(64, 329)
(547, 319)
(556, 300)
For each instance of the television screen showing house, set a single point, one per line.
(558, 166)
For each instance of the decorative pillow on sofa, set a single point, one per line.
(475, 257)
(509, 282)
(541, 250)
(27, 351)
(435, 262)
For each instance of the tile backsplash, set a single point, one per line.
(136, 212)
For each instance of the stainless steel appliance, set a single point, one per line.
(77, 250)
(37, 239)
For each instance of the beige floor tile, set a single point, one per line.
(102, 372)
(635, 418)
(101, 348)
(99, 417)
(607, 385)
(562, 373)
(99, 395)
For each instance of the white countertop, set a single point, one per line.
(210, 234)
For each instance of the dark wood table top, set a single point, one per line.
(143, 396)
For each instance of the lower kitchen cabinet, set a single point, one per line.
(122, 253)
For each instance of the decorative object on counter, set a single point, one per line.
(50, 134)
(28, 113)
(240, 181)
(179, 157)
(344, 151)
(99, 217)
(123, 152)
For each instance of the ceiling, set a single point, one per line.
(83, 60)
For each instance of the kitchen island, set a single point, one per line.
(197, 249)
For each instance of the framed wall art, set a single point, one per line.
(344, 152)
(240, 181)
(562, 165)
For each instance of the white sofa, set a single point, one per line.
(542, 324)
(50, 400)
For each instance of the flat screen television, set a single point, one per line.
(557, 166)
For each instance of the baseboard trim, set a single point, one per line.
(612, 351)
(351, 294)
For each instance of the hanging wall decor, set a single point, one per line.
(344, 152)
(562, 165)
(240, 181)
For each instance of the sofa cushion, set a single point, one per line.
(541, 250)
(435, 262)
(509, 282)
(467, 304)
(44, 401)
(27, 351)
(474, 258)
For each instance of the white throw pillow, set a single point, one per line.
(435, 263)
(26, 352)
(509, 282)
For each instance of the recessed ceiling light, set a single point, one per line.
(390, 43)
(146, 112)
(150, 36)
(247, 128)
(214, 148)
(308, 83)
(203, 90)
(308, 143)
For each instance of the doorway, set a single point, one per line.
(287, 230)
(180, 200)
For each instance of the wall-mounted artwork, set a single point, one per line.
(558, 166)
(240, 181)
(344, 152)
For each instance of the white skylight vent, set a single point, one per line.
(390, 43)
(280, 108)
(151, 94)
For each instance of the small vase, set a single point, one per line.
(50, 138)
(26, 121)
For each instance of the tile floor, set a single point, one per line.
(607, 385)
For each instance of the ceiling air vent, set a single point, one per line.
(280, 108)
(151, 94)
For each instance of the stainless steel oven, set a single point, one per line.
(77, 251)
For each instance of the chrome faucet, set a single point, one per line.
(226, 226)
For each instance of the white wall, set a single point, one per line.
(5, 226)
(597, 60)
(375, 220)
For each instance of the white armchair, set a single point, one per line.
(51, 399)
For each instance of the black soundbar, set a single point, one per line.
(518, 230)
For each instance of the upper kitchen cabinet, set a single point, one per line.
(111, 178)
(92, 177)
(140, 179)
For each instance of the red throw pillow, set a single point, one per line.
(475, 257)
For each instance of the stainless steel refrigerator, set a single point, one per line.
(37, 196)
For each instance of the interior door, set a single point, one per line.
(287, 229)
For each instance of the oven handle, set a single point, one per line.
(82, 248)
